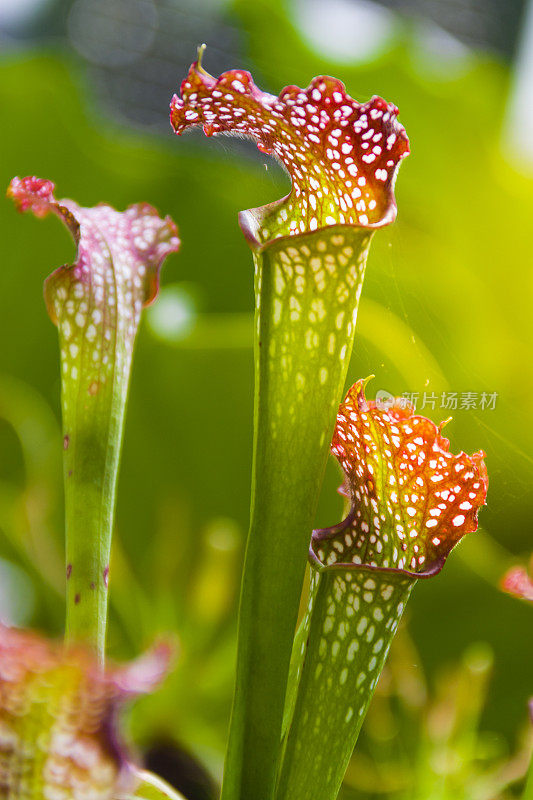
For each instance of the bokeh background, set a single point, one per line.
(447, 307)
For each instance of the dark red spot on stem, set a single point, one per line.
(106, 576)
(69, 571)
(66, 442)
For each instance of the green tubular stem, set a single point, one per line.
(351, 619)
(97, 332)
(97, 313)
(93, 431)
(307, 293)
(96, 304)
(399, 478)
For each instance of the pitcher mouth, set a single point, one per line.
(342, 156)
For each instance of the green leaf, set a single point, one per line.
(310, 252)
(411, 501)
(96, 304)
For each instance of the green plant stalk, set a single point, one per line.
(97, 332)
(93, 428)
(346, 648)
(96, 304)
(410, 501)
(310, 250)
(307, 293)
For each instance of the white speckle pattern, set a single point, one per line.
(343, 660)
(296, 283)
(99, 307)
(96, 304)
(412, 499)
(364, 570)
(342, 156)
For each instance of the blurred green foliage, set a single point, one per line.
(446, 307)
